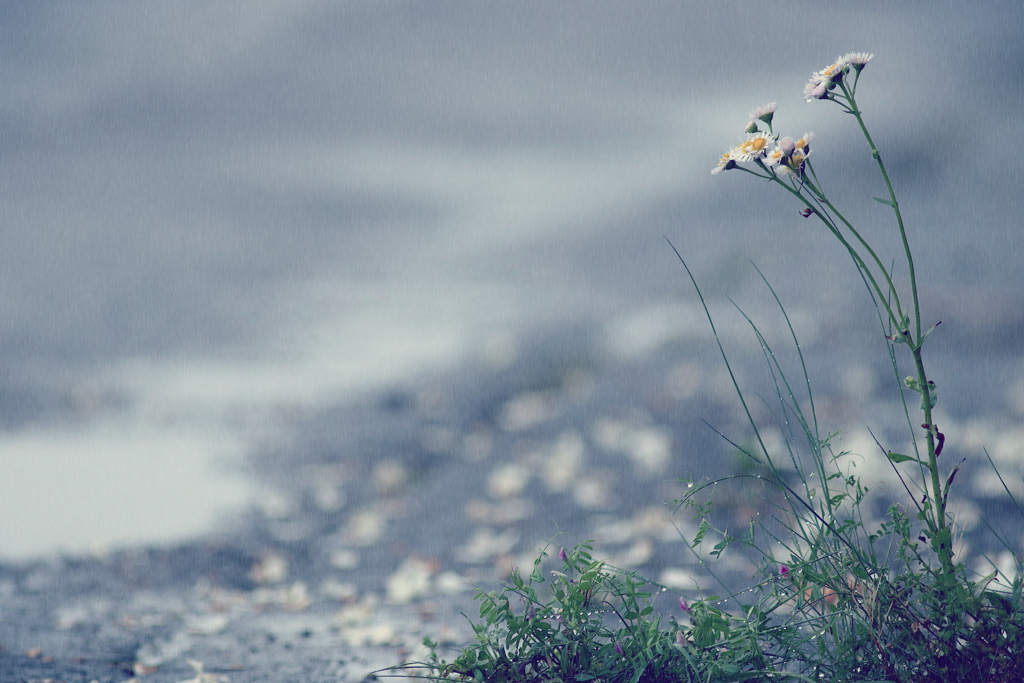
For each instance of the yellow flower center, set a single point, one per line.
(755, 145)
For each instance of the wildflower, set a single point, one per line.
(789, 156)
(804, 143)
(774, 158)
(765, 112)
(815, 90)
(618, 648)
(725, 163)
(680, 638)
(683, 606)
(822, 81)
(858, 60)
(793, 164)
(755, 147)
(783, 570)
(561, 553)
(751, 128)
(833, 73)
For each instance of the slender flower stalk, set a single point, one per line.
(786, 163)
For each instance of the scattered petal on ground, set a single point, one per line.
(272, 568)
(411, 580)
(508, 481)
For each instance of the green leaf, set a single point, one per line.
(899, 457)
(884, 201)
(703, 529)
(925, 335)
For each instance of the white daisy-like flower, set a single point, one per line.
(791, 165)
(794, 163)
(776, 156)
(725, 163)
(817, 87)
(764, 112)
(833, 72)
(804, 143)
(754, 147)
(858, 60)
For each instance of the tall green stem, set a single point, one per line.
(942, 542)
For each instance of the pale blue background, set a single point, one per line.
(218, 215)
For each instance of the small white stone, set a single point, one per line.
(639, 554)
(451, 583)
(651, 449)
(364, 636)
(208, 624)
(410, 581)
(344, 559)
(328, 498)
(365, 527)
(565, 461)
(677, 578)
(508, 481)
(485, 545)
(389, 476)
(272, 568)
(593, 493)
(526, 411)
(336, 590)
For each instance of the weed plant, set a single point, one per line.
(842, 596)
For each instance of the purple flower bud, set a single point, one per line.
(683, 606)
(680, 638)
(783, 570)
(806, 212)
(561, 553)
(618, 648)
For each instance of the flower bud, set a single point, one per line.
(787, 146)
(751, 128)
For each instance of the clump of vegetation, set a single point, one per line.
(842, 597)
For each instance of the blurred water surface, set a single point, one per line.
(219, 216)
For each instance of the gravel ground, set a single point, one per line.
(384, 512)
